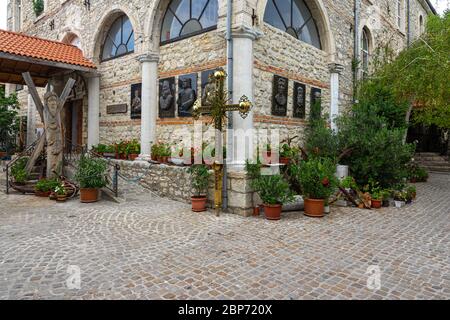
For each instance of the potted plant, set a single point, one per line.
(400, 198)
(155, 152)
(133, 149)
(109, 152)
(274, 191)
(44, 187)
(91, 176)
(412, 192)
(199, 181)
(121, 150)
(317, 180)
(60, 192)
(377, 199)
(285, 154)
(164, 153)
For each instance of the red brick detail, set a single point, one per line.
(291, 75)
(278, 120)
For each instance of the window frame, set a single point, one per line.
(107, 35)
(365, 54)
(311, 18)
(193, 34)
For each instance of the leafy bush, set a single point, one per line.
(377, 151)
(415, 173)
(9, 121)
(199, 179)
(91, 173)
(317, 177)
(38, 7)
(133, 147)
(45, 185)
(320, 140)
(273, 189)
(18, 170)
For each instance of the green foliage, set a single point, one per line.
(420, 73)
(161, 149)
(199, 179)
(320, 140)
(317, 177)
(18, 170)
(9, 121)
(415, 173)
(91, 173)
(60, 190)
(273, 189)
(38, 7)
(45, 185)
(133, 147)
(377, 149)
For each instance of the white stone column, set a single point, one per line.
(149, 103)
(335, 71)
(31, 121)
(242, 150)
(93, 110)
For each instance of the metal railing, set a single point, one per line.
(73, 153)
(25, 153)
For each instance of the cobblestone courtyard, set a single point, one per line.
(153, 248)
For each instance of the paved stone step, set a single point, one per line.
(438, 163)
(437, 168)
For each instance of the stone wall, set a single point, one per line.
(174, 182)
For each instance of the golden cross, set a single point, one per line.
(216, 106)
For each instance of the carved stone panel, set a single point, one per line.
(167, 98)
(117, 108)
(187, 94)
(136, 101)
(207, 85)
(299, 100)
(316, 103)
(279, 96)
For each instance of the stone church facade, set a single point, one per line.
(146, 48)
(261, 50)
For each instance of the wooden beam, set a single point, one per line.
(69, 85)
(54, 64)
(34, 94)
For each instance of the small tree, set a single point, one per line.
(9, 121)
(199, 179)
(38, 7)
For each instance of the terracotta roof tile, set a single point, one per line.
(33, 47)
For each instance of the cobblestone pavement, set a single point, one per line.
(154, 248)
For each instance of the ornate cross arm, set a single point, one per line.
(244, 107)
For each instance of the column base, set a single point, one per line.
(144, 157)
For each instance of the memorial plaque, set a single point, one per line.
(299, 100)
(316, 103)
(136, 97)
(187, 94)
(167, 98)
(207, 85)
(117, 108)
(279, 96)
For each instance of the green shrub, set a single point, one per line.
(91, 172)
(377, 151)
(133, 147)
(273, 189)
(199, 179)
(18, 170)
(38, 7)
(317, 178)
(45, 185)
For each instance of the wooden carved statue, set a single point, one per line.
(50, 114)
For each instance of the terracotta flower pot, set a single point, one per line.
(376, 204)
(2, 154)
(88, 195)
(52, 196)
(198, 204)
(154, 158)
(164, 159)
(314, 208)
(61, 198)
(42, 194)
(284, 160)
(272, 212)
(132, 156)
(256, 211)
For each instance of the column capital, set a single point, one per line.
(148, 57)
(244, 31)
(335, 68)
(91, 75)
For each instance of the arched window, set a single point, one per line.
(119, 40)
(185, 18)
(399, 13)
(365, 47)
(294, 17)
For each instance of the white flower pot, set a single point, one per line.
(399, 204)
(326, 210)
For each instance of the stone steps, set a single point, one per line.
(433, 161)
